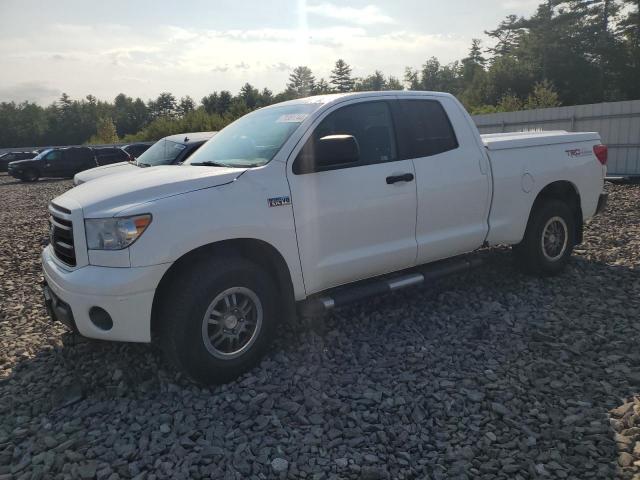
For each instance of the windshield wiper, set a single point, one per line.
(142, 164)
(210, 164)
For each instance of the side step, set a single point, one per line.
(340, 296)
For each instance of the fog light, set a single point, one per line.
(100, 318)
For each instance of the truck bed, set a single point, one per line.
(503, 141)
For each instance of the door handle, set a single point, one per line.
(405, 177)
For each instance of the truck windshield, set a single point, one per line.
(163, 152)
(253, 140)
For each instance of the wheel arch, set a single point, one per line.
(258, 251)
(565, 191)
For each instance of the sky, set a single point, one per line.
(195, 47)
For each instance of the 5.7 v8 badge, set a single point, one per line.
(279, 201)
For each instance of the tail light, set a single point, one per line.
(602, 153)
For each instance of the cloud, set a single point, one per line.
(520, 4)
(143, 63)
(32, 91)
(281, 67)
(369, 15)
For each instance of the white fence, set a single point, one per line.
(617, 122)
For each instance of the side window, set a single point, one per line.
(369, 123)
(188, 153)
(426, 129)
(54, 156)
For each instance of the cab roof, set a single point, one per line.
(335, 97)
(187, 138)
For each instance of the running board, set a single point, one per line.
(416, 276)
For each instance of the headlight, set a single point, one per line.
(114, 233)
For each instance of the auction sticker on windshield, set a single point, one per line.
(292, 118)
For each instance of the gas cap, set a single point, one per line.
(527, 182)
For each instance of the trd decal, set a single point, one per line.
(578, 152)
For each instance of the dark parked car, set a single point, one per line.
(6, 158)
(136, 149)
(54, 162)
(109, 155)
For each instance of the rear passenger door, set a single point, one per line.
(355, 220)
(453, 183)
(71, 162)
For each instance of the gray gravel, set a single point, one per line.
(489, 375)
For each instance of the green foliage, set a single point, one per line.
(105, 132)
(195, 121)
(301, 82)
(377, 82)
(341, 77)
(321, 87)
(544, 95)
(509, 102)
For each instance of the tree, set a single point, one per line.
(224, 102)
(301, 81)
(265, 98)
(250, 95)
(508, 36)
(341, 77)
(509, 102)
(186, 106)
(106, 132)
(629, 34)
(321, 87)
(163, 106)
(219, 103)
(412, 79)
(376, 82)
(543, 95)
(473, 64)
(129, 115)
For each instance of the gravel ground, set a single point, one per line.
(489, 375)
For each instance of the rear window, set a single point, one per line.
(426, 129)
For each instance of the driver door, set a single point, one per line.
(52, 164)
(354, 220)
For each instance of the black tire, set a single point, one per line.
(557, 219)
(189, 296)
(30, 175)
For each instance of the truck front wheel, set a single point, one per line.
(218, 317)
(548, 240)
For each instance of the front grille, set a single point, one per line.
(61, 235)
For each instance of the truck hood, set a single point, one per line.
(97, 172)
(111, 194)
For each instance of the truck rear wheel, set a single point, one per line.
(548, 240)
(218, 317)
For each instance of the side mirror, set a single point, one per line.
(335, 150)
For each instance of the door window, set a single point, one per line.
(53, 156)
(369, 123)
(425, 129)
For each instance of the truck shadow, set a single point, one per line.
(490, 373)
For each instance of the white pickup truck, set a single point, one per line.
(303, 206)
